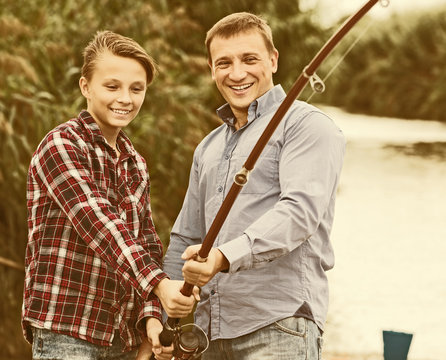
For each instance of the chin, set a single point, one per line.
(241, 105)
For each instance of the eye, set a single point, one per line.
(138, 89)
(222, 64)
(250, 59)
(111, 87)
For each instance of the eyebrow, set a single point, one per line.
(143, 83)
(242, 55)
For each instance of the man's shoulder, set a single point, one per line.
(301, 110)
(309, 119)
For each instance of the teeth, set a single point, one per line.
(121, 112)
(241, 87)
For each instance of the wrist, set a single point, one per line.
(152, 321)
(158, 289)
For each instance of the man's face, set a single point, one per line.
(115, 92)
(242, 69)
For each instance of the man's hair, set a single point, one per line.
(118, 45)
(240, 22)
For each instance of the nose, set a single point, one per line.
(124, 97)
(238, 72)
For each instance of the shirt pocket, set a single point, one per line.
(265, 175)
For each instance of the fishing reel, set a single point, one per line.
(189, 340)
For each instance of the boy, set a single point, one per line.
(93, 259)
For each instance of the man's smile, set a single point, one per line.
(241, 87)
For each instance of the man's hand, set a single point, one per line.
(200, 273)
(175, 304)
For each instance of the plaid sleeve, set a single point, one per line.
(148, 236)
(62, 166)
(151, 308)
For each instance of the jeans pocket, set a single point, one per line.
(48, 345)
(37, 346)
(292, 325)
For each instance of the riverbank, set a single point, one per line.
(389, 239)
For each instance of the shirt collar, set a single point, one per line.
(95, 134)
(257, 108)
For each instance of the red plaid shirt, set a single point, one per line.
(93, 256)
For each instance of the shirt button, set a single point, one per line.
(220, 189)
(212, 292)
(226, 157)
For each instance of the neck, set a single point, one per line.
(111, 135)
(111, 139)
(241, 118)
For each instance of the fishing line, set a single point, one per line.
(341, 59)
(384, 3)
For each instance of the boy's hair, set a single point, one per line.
(240, 22)
(120, 46)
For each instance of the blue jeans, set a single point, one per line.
(50, 345)
(288, 339)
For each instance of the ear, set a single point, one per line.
(212, 69)
(83, 85)
(274, 60)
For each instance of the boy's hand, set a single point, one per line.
(175, 304)
(153, 330)
(145, 350)
(200, 273)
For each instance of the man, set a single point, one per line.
(264, 288)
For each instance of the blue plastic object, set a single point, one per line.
(396, 345)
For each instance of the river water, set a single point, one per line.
(389, 238)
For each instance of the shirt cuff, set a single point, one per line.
(150, 277)
(151, 308)
(238, 252)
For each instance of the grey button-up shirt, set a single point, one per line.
(276, 236)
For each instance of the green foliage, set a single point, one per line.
(397, 69)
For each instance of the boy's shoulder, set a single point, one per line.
(72, 131)
(71, 127)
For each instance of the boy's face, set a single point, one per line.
(115, 92)
(242, 68)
